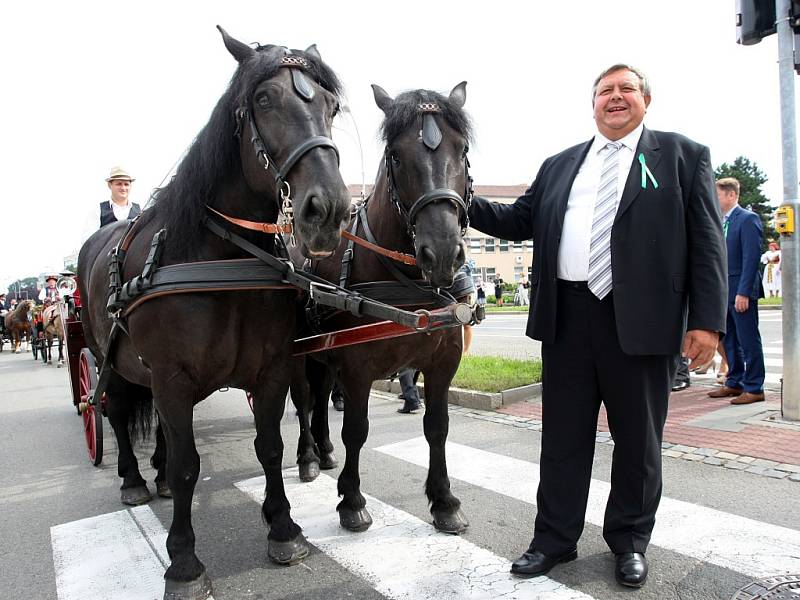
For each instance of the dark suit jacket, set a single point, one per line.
(744, 254)
(667, 247)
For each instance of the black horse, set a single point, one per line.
(265, 148)
(415, 208)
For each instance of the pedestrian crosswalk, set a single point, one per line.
(122, 555)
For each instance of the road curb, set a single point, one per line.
(471, 398)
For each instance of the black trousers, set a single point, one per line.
(582, 368)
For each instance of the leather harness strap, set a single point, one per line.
(255, 225)
(406, 259)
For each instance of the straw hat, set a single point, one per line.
(53, 277)
(119, 173)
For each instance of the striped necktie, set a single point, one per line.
(604, 212)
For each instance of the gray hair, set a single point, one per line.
(644, 84)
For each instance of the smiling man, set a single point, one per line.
(119, 207)
(629, 255)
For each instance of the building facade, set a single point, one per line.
(493, 257)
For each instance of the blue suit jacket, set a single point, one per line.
(744, 254)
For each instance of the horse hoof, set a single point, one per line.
(134, 496)
(197, 589)
(309, 471)
(287, 553)
(450, 522)
(355, 520)
(162, 489)
(328, 461)
(60, 364)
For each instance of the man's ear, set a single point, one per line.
(647, 101)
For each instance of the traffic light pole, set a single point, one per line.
(790, 247)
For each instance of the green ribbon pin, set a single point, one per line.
(646, 173)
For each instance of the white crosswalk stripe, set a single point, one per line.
(743, 545)
(404, 557)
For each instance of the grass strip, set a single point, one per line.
(495, 374)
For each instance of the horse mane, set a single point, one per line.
(404, 113)
(214, 153)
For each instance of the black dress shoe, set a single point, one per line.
(680, 386)
(409, 407)
(631, 569)
(534, 563)
(338, 404)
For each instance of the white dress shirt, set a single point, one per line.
(573, 251)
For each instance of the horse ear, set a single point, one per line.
(240, 51)
(312, 50)
(458, 95)
(382, 99)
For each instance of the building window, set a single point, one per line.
(517, 246)
(529, 245)
(518, 273)
(474, 245)
(488, 245)
(503, 245)
(490, 274)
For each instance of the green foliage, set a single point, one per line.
(495, 374)
(751, 178)
(22, 289)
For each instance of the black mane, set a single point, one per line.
(404, 113)
(214, 153)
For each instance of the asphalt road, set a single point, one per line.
(717, 531)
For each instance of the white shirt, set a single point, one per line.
(573, 251)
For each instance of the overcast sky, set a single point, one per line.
(89, 85)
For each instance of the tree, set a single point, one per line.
(23, 289)
(751, 178)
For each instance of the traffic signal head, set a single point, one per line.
(755, 19)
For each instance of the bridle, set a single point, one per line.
(431, 137)
(244, 114)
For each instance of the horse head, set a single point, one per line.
(425, 163)
(286, 101)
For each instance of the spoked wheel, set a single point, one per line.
(92, 418)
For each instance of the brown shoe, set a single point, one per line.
(748, 398)
(725, 392)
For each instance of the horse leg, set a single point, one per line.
(353, 514)
(307, 459)
(286, 544)
(321, 379)
(47, 355)
(60, 351)
(445, 507)
(159, 463)
(174, 397)
(121, 409)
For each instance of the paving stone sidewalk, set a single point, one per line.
(751, 438)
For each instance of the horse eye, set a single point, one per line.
(262, 101)
(395, 160)
(336, 110)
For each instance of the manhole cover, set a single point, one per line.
(783, 587)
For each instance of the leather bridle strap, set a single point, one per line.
(318, 141)
(401, 257)
(255, 225)
(434, 196)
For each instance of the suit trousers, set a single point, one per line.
(742, 342)
(582, 368)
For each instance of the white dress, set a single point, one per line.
(771, 259)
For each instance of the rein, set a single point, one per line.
(406, 259)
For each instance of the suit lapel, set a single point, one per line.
(648, 145)
(570, 170)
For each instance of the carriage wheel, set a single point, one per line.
(92, 419)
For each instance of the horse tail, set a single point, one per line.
(140, 422)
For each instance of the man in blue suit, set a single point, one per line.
(742, 228)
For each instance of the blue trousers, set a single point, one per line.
(743, 346)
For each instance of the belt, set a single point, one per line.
(575, 285)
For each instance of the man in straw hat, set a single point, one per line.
(49, 291)
(119, 207)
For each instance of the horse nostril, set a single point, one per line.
(314, 209)
(427, 255)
